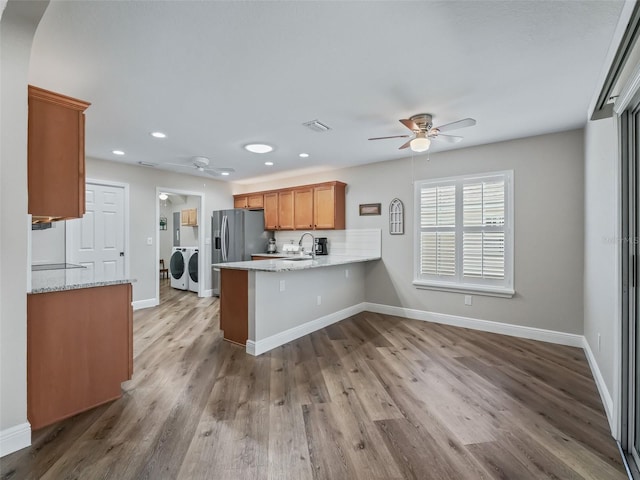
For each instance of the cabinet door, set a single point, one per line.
(271, 211)
(255, 201)
(285, 210)
(184, 217)
(56, 174)
(193, 217)
(303, 209)
(240, 202)
(324, 207)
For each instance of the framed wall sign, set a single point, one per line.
(396, 217)
(370, 208)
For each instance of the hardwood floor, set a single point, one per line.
(372, 397)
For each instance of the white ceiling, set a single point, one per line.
(215, 75)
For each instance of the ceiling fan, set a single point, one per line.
(423, 131)
(202, 165)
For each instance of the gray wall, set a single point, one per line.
(601, 284)
(142, 221)
(17, 27)
(549, 208)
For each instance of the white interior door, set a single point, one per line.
(96, 240)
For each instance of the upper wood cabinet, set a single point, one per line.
(329, 206)
(303, 208)
(55, 152)
(307, 207)
(278, 210)
(189, 217)
(251, 201)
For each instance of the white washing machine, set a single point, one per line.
(178, 268)
(192, 268)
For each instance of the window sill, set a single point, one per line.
(475, 289)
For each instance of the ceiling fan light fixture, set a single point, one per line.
(420, 144)
(225, 173)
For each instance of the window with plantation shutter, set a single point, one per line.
(465, 234)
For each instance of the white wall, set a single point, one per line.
(549, 206)
(601, 283)
(17, 27)
(143, 201)
(166, 236)
(189, 235)
(48, 246)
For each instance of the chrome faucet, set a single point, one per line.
(313, 243)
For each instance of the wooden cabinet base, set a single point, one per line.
(234, 305)
(79, 350)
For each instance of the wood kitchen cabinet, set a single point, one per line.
(303, 208)
(79, 350)
(329, 206)
(307, 207)
(189, 217)
(251, 202)
(278, 210)
(55, 155)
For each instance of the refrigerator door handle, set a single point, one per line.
(226, 238)
(223, 236)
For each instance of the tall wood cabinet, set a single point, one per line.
(56, 173)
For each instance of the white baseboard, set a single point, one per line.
(605, 395)
(531, 333)
(15, 438)
(208, 293)
(147, 303)
(261, 346)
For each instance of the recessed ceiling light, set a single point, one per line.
(258, 148)
(117, 152)
(224, 173)
(268, 163)
(303, 155)
(158, 135)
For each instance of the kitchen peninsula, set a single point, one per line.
(79, 342)
(267, 303)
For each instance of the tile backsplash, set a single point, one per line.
(365, 242)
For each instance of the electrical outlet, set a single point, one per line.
(599, 342)
(149, 240)
(282, 285)
(319, 299)
(346, 273)
(468, 300)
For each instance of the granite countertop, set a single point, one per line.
(287, 264)
(44, 281)
(273, 255)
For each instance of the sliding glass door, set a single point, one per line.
(630, 301)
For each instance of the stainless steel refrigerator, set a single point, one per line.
(236, 235)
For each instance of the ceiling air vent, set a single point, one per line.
(317, 126)
(147, 164)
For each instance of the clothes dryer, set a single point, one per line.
(178, 268)
(192, 268)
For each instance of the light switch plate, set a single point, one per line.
(149, 240)
(468, 300)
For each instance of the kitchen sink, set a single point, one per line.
(297, 259)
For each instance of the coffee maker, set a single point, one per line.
(320, 246)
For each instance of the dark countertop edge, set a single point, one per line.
(78, 286)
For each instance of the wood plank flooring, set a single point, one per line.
(373, 397)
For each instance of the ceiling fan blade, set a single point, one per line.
(466, 122)
(447, 138)
(178, 165)
(410, 124)
(394, 136)
(223, 169)
(406, 145)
